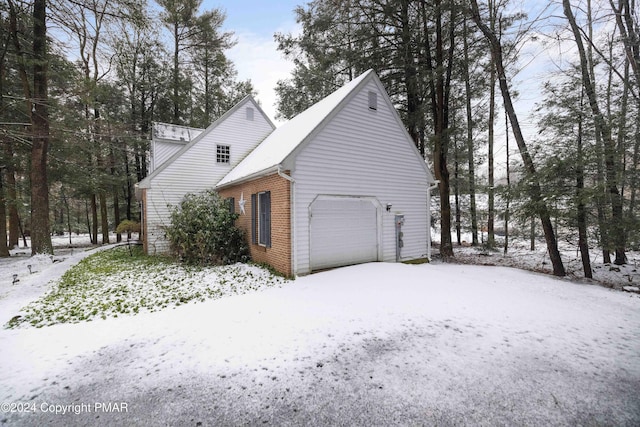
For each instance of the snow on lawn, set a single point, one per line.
(124, 281)
(520, 255)
(373, 344)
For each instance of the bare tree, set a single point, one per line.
(604, 129)
(535, 192)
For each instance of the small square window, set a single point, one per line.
(223, 154)
(373, 100)
(250, 114)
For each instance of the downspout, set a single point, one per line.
(292, 216)
(431, 187)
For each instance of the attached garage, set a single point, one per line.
(343, 231)
(351, 171)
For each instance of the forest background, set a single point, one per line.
(82, 81)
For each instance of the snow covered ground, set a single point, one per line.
(373, 344)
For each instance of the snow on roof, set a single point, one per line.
(285, 139)
(175, 133)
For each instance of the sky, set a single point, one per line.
(255, 55)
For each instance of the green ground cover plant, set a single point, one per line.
(115, 282)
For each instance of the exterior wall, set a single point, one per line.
(196, 170)
(279, 254)
(161, 151)
(168, 139)
(364, 152)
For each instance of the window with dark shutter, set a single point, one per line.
(264, 220)
(232, 204)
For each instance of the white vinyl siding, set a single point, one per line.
(196, 170)
(363, 153)
(161, 151)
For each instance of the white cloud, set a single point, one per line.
(256, 58)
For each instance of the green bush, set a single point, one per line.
(128, 226)
(202, 231)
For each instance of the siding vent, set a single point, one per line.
(249, 114)
(373, 100)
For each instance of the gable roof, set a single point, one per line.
(284, 141)
(287, 140)
(146, 182)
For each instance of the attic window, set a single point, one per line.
(223, 154)
(373, 100)
(250, 114)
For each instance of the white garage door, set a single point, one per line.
(343, 232)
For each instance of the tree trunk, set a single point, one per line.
(439, 82)
(508, 192)
(176, 75)
(625, 20)
(581, 211)
(12, 198)
(532, 234)
(40, 232)
(456, 192)
(410, 76)
(534, 188)
(94, 219)
(104, 218)
(116, 199)
(4, 249)
(635, 160)
(491, 239)
(470, 145)
(611, 171)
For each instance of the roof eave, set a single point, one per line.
(264, 172)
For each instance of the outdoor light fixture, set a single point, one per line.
(389, 207)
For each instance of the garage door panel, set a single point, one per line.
(343, 232)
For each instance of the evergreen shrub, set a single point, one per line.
(202, 231)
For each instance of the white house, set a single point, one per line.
(339, 184)
(196, 165)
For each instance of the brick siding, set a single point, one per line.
(279, 254)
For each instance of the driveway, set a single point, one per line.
(375, 344)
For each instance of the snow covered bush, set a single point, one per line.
(202, 231)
